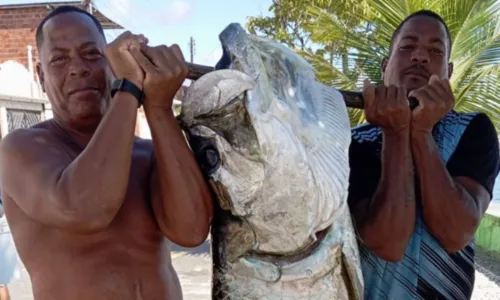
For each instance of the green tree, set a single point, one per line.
(292, 19)
(474, 27)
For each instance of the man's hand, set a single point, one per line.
(165, 70)
(387, 107)
(121, 61)
(435, 100)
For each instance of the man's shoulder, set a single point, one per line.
(473, 118)
(21, 137)
(477, 125)
(479, 119)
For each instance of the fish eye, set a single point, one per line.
(211, 159)
(206, 153)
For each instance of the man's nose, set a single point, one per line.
(79, 68)
(420, 56)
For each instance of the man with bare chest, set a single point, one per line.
(91, 206)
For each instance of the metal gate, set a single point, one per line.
(18, 118)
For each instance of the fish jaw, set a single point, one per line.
(331, 271)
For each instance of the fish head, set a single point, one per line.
(221, 134)
(259, 128)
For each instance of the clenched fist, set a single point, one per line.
(122, 62)
(165, 70)
(387, 107)
(435, 100)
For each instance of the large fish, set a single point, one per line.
(273, 143)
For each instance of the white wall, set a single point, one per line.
(16, 80)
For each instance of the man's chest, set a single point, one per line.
(135, 213)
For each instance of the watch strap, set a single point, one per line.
(124, 85)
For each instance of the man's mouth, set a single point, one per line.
(417, 72)
(83, 91)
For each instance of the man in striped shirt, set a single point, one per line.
(420, 180)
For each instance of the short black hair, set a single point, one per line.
(61, 10)
(420, 13)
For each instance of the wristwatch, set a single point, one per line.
(124, 85)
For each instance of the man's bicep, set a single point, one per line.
(30, 168)
(477, 155)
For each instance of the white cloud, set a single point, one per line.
(125, 12)
(175, 12)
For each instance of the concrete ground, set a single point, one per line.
(194, 269)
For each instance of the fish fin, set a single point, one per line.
(327, 137)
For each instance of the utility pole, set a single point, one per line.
(191, 48)
(88, 5)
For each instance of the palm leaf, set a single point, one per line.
(474, 27)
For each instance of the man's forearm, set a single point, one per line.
(388, 219)
(186, 206)
(95, 183)
(449, 210)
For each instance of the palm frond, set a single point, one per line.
(474, 27)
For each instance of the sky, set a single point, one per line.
(175, 21)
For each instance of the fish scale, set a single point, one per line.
(282, 227)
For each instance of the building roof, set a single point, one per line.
(105, 21)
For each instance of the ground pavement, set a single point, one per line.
(194, 269)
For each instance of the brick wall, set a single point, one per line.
(17, 31)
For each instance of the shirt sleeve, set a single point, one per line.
(477, 154)
(364, 171)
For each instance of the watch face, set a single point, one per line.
(118, 84)
(124, 85)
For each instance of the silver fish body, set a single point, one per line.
(273, 143)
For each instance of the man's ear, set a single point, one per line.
(450, 69)
(41, 75)
(383, 66)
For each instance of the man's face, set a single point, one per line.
(419, 50)
(73, 70)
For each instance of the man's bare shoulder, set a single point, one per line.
(18, 140)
